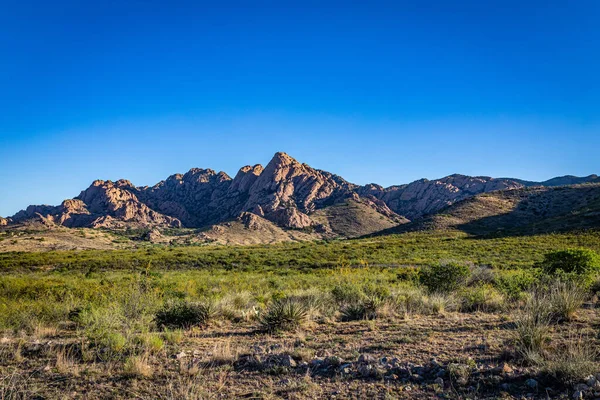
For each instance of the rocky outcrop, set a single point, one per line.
(104, 204)
(3, 221)
(426, 197)
(285, 193)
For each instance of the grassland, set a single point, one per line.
(419, 248)
(83, 324)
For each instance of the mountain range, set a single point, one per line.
(285, 197)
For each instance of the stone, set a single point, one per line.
(286, 360)
(439, 381)
(345, 368)
(333, 361)
(531, 383)
(581, 387)
(366, 359)
(578, 395)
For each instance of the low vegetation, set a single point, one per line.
(362, 314)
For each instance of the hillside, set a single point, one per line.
(530, 210)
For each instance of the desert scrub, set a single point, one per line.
(283, 315)
(571, 264)
(184, 314)
(566, 297)
(364, 309)
(514, 284)
(439, 303)
(408, 300)
(532, 327)
(444, 277)
(138, 366)
(480, 298)
(572, 362)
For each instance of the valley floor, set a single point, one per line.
(319, 320)
(453, 355)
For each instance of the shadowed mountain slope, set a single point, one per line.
(518, 211)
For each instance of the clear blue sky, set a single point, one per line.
(384, 92)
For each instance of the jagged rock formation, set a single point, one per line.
(3, 221)
(285, 194)
(426, 197)
(104, 204)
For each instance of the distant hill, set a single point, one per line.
(562, 181)
(521, 211)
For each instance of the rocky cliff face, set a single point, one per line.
(104, 204)
(426, 197)
(286, 193)
(3, 221)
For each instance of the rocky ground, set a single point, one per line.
(453, 355)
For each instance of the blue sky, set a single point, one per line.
(384, 92)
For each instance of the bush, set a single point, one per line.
(571, 262)
(438, 303)
(481, 298)
(409, 301)
(181, 314)
(344, 294)
(513, 285)
(444, 277)
(283, 315)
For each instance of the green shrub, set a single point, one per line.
(344, 294)
(513, 285)
(181, 314)
(481, 298)
(444, 277)
(283, 315)
(571, 262)
(408, 274)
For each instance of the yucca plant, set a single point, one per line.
(182, 314)
(283, 315)
(366, 308)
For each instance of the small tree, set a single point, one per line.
(444, 277)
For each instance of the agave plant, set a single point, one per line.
(283, 315)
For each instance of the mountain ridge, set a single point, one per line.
(286, 193)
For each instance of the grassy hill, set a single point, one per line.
(517, 212)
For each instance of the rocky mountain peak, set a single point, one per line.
(285, 193)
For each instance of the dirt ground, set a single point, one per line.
(455, 355)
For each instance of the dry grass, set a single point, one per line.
(138, 366)
(566, 298)
(66, 363)
(574, 361)
(532, 327)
